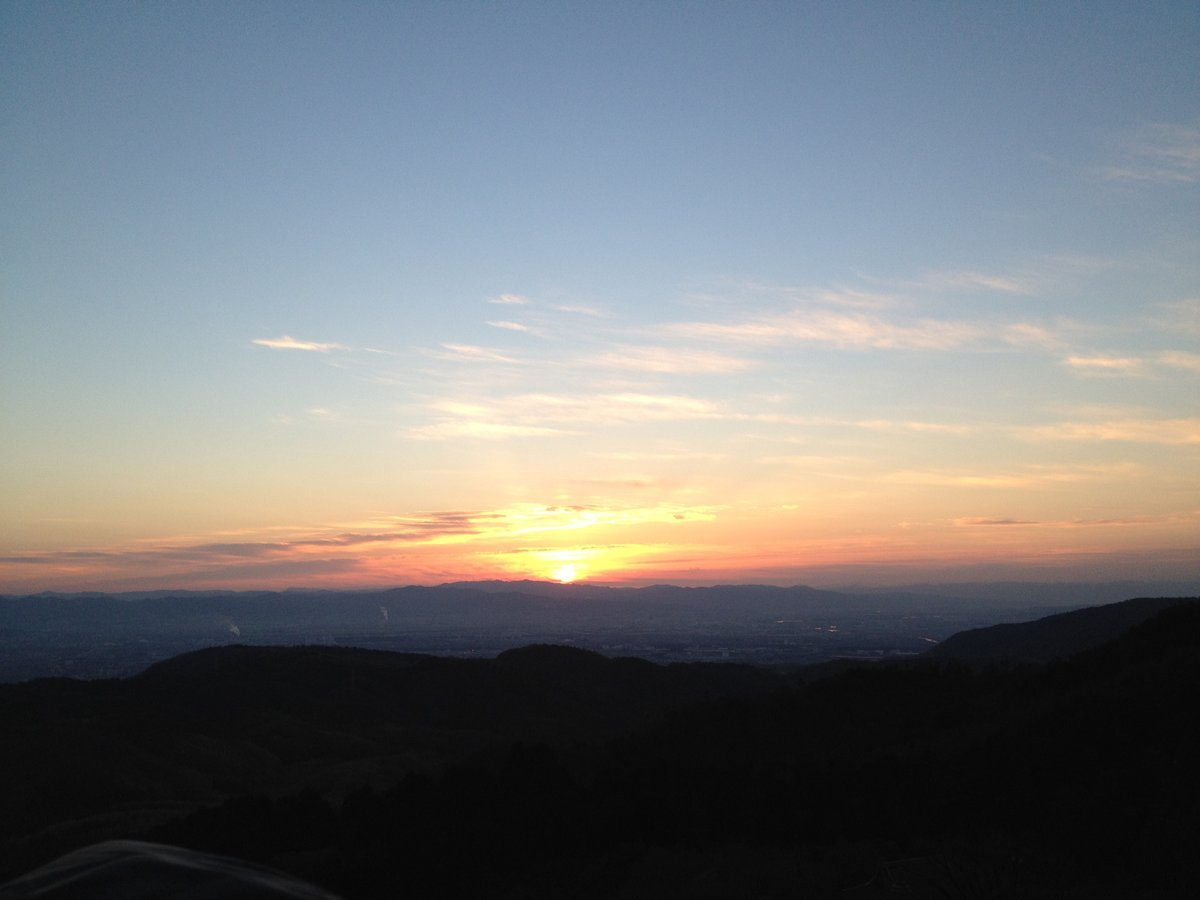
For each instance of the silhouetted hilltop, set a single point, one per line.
(560, 687)
(226, 720)
(932, 779)
(553, 771)
(1052, 637)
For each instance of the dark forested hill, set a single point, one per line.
(102, 757)
(1052, 637)
(552, 772)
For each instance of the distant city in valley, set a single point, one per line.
(96, 635)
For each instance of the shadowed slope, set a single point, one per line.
(135, 870)
(85, 760)
(1053, 637)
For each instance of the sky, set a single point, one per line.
(357, 294)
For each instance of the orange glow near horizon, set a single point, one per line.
(706, 365)
(821, 543)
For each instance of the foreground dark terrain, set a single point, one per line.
(1054, 759)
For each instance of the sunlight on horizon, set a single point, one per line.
(672, 299)
(566, 573)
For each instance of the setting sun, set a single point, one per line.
(786, 360)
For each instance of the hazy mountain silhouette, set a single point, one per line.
(101, 636)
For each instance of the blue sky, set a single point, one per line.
(765, 291)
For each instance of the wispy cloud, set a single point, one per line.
(1028, 476)
(816, 461)
(586, 408)
(854, 298)
(913, 425)
(554, 415)
(581, 310)
(668, 360)
(1141, 431)
(1104, 365)
(897, 425)
(286, 342)
(488, 431)
(972, 522)
(968, 280)
(1180, 359)
(312, 414)
(664, 456)
(623, 407)
(473, 353)
(1133, 365)
(509, 300)
(1180, 316)
(853, 319)
(1027, 334)
(518, 327)
(1164, 153)
(836, 330)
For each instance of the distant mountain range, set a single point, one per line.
(101, 635)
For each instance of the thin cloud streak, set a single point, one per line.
(863, 332)
(528, 414)
(286, 342)
(1140, 431)
(895, 425)
(1180, 359)
(474, 354)
(1181, 316)
(666, 456)
(1030, 477)
(973, 522)
(488, 431)
(581, 310)
(1104, 365)
(967, 280)
(668, 361)
(1160, 153)
(518, 327)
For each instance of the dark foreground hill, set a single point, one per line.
(1053, 637)
(551, 773)
(83, 760)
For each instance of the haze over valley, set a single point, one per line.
(95, 636)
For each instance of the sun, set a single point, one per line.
(566, 573)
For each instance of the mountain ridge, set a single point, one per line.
(1052, 637)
